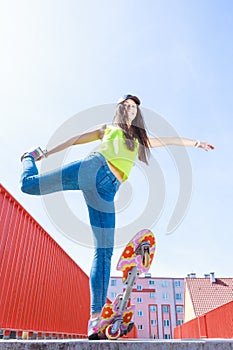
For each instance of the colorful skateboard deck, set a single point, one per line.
(136, 259)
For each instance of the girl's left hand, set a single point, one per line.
(206, 146)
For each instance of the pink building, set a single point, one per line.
(159, 304)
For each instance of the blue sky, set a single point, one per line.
(59, 58)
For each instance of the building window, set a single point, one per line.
(140, 313)
(165, 296)
(152, 295)
(178, 296)
(113, 295)
(153, 322)
(177, 283)
(139, 300)
(179, 309)
(167, 336)
(151, 283)
(164, 284)
(139, 287)
(113, 283)
(152, 308)
(166, 323)
(179, 322)
(165, 309)
(140, 327)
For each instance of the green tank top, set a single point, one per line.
(114, 149)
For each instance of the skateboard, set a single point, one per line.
(115, 317)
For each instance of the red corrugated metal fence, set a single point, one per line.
(217, 323)
(41, 287)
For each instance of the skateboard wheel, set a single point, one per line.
(111, 336)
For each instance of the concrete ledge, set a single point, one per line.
(208, 344)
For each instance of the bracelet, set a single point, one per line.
(197, 144)
(45, 153)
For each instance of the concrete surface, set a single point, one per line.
(208, 344)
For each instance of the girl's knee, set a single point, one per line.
(25, 189)
(29, 188)
(103, 253)
(109, 252)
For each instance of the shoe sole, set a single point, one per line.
(94, 337)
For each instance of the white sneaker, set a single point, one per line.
(92, 331)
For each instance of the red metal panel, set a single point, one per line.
(187, 330)
(217, 323)
(41, 287)
(220, 321)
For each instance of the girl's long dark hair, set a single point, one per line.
(137, 130)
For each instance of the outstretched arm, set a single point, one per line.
(179, 141)
(79, 139)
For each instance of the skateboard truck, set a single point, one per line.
(114, 328)
(144, 250)
(116, 318)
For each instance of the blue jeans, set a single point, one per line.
(99, 185)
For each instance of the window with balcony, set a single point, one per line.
(167, 336)
(165, 309)
(179, 309)
(152, 308)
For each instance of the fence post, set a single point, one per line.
(202, 327)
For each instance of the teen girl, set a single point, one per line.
(99, 177)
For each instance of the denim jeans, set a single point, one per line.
(99, 185)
